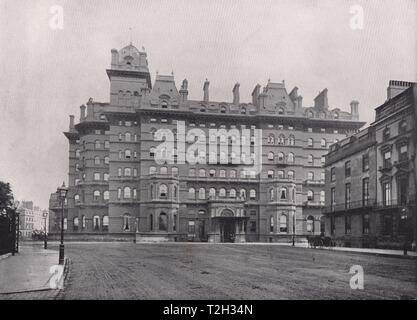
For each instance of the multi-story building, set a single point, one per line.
(371, 177)
(31, 218)
(119, 190)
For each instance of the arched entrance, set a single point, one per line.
(227, 226)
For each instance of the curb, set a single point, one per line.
(5, 256)
(400, 256)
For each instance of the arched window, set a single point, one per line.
(191, 193)
(152, 170)
(270, 155)
(280, 111)
(232, 174)
(281, 139)
(283, 225)
(202, 194)
(106, 144)
(174, 192)
(105, 225)
(163, 221)
(291, 157)
(77, 154)
(291, 140)
(97, 144)
(271, 194)
(127, 172)
(310, 114)
(96, 223)
(310, 195)
(402, 127)
(310, 224)
(242, 193)
(163, 170)
(322, 196)
(232, 193)
(271, 139)
(75, 224)
(212, 193)
(77, 198)
(128, 137)
(222, 192)
(243, 174)
(106, 160)
(119, 193)
(223, 109)
(120, 137)
(243, 110)
(281, 174)
(202, 172)
(280, 157)
(83, 222)
(270, 174)
(164, 105)
(310, 159)
(96, 195)
(135, 193)
(163, 191)
(106, 195)
(120, 154)
(323, 143)
(126, 222)
(191, 172)
(252, 194)
(283, 193)
(310, 142)
(310, 175)
(222, 173)
(128, 154)
(174, 171)
(152, 152)
(127, 193)
(290, 175)
(323, 160)
(106, 177)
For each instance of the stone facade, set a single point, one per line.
(117, 190)
(371, 177)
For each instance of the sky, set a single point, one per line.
(47, 72)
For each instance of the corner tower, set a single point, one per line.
(129, 76)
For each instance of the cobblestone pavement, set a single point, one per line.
(227, 271)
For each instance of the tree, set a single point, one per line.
(6, 196)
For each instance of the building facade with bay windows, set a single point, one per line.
(371, 177)
(118, 191)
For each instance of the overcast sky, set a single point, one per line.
(46, 73)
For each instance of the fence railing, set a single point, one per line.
(7, 233)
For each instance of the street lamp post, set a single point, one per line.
(404, 223)
(293, 228)
(45, 237)
(136, 229)
(62, 194)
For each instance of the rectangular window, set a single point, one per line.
(333, 174)
(332, 225)
(365, 162)
(387, 225)
(333, 198)
(387, 159)
(348, 220)
(403, 191)
(365, 191)
(386, 189)
(347, 169)
(252, 226)
(365, 223)
(191, 227)
(347, 196)
(403, 153)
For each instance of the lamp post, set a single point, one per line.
(15, 227)
(45, 237)
(62, 194)
(293, 228)
(404, 223)
(136, 229)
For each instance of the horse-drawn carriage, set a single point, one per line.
(320, 241)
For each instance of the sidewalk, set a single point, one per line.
(28, 270)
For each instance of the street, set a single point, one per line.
(228, 271)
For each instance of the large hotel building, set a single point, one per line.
(118, 191)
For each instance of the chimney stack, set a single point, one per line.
(255, 95)
(236, 95)
(299, 102)
(71, 123)
(395, 87)
(206, 91)
(184, 90)
(82, 113)
(354, 109)
(114, 57)
(90, 110)
(321, 102)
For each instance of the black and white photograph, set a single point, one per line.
(234, 151)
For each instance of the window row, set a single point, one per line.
(127, 172)
(128, 137)
(222, 192)
(163, 192)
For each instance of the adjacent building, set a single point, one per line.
(119, 191)
(31, 219)
(371, 177)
